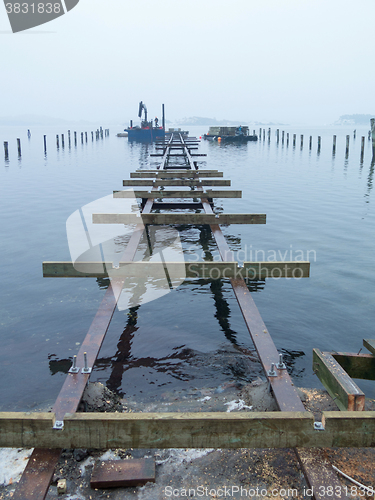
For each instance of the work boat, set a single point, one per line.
(148, 131)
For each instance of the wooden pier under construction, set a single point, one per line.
(179, 185)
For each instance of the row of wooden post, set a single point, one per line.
(98, 134)
(370, 133)
(84, 137)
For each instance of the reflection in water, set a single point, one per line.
(123, 353)
(291, 359)
(59, 365)
(222, 310)
(370, 180)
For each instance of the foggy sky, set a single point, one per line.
(292, 61)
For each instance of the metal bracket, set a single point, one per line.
(318, 426)
(74, 368)
(86, 369)
(58, 425)
(272, 372)
(281, 365)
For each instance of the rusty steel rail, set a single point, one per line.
(177, 141)
(36, 478)
(317, 470)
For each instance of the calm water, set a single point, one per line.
(314, 203)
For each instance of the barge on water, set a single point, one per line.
(230, 134)
(149, 131)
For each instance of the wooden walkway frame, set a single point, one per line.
(292, 426)
(336, 370)
(179, 218)
(182, 270)
(210, 193)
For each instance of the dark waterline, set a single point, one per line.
(317, 204)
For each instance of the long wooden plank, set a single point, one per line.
(188, 430)
(179, 218)
(360, 366)
(204, 270)
(197, 181)
(345, 392)
(170, 174)
(210, 193)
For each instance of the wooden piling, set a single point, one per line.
(264, 134)
(362, 147)
(86, 136)
(373, 137)
(57, 141)
(92, 135)
(277, 134)
(19, 146)
(260, 134)
(269, 135)
(334, 145)
(347, 144)
(75, 138)
(62, 140)
(294, 140)
(45, 143)
(354, 133)
(69, 137)
(82, 137)
(301, 141)
(6, 152)
(369, 135)
(310, 143)
(319, 143)
(282, 137)
(287, 139)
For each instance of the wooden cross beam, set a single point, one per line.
(176, 182)
(188, 430)
(204, 270)
(210, 193)
(179, 218)
(169, 174)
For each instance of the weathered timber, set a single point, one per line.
(179, 218)
(177, 182)
(340, 386)
(204, 270)
(188, 430)
(318, 473)
(38, 474)
(369, 344)
(117, 473)
(360, 366)
(210, 193)
(170, 174)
